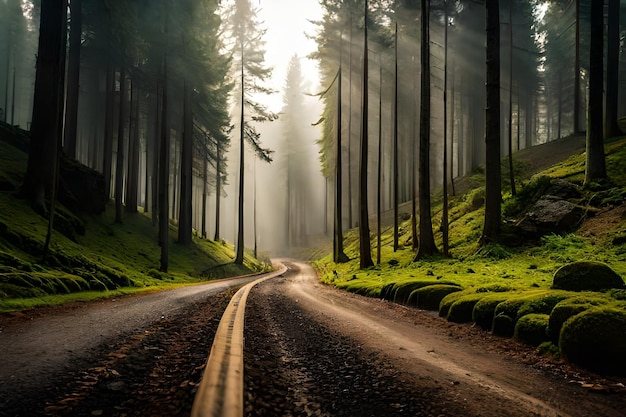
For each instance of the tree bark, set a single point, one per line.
(109, 120)
(50, 74)
(427, 239)
(395, 179)
(510, 124)
(577, 70)
(365, 250)
(119, 170)
(185, 210)
(379, 167)
(493, 186)
(218, 189)
(595, 167)
(205, 174)
(164, 173)
(156, 157)
(240, 219)
(444, 214)
(611, 129)
(338, 253)
(132, 183)
(73, 78)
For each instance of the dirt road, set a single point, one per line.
(52, 344)
(322, 341)
(310, 350)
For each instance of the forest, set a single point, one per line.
(448, 157)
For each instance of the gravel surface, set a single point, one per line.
(296, 366)
(151, 371)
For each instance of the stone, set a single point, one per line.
(551, 214)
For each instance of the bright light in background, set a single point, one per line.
(287, 23)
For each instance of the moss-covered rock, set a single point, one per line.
(448, 300)
(569, 308)
(531, 302)
(429, 297)
(532, 329)
(503, 325)
(461, 310)
(586, 276)
(484, 310)
(401, 292)
(596, 339)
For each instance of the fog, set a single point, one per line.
(166, 49)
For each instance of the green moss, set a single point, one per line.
(484, 310)
(529, 302)
(429, 297)
(461, 310)
(595, 339)
(569, 308)
(526, 196)
(532, 329)
(586, 276)
(400, 292)
(448, 300)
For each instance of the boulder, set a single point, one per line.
(551, 214)
(586, 276)
(595, 339)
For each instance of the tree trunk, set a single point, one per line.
(379, 168)
(218, 189)
(444, 214)
(413, 160)
(205, 174)
(132, 183)
(365, 250)
(60, 109)
(73, 76)
(164, 173)
(254, 219)
(185, 210)
(595, 168)
(577, 70)
(510, 126)
(395, 179)
(427, 239)
(240, 219)
(119, 170)
(50, 74)
(156, 157)
(109, 120)
(338, 253)
(611, 129)
(350, 223)
(493, 186)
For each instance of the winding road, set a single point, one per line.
(310, 350)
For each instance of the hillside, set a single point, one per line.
(507, 288)
(91, 256)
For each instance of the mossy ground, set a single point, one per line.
(92, 256)
(516, 269)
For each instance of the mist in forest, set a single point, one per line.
(152, 78)
(289, 192)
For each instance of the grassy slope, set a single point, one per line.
(108, 259)
(523, 267)
(517, 269)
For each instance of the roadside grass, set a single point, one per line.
(511, 272)
(92, 257)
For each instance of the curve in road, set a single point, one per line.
(220, 393)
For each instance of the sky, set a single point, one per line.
(286, 22)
